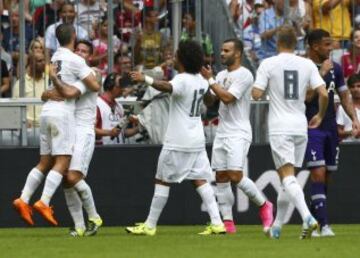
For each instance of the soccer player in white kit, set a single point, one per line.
(183, 156)
(56, 130)
(78, 193)
(233, 136)
(287, 78)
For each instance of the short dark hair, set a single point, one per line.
(110, 81)
(316, 35)
(65, 4)
(64, 33)
(238, 44)
(191, 56)
(87, 43)
(354, 78)
(286, 37)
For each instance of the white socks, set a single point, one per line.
(251, 191)
(296, 196)
(52, 182)
(87, 199)
(74, 204)
(226, 199)
(33, 180)
(283, 203)
(161, 194)
(208, 197)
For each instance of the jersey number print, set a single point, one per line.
(195, 106)
(291, 85)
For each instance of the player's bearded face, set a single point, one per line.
(324, 48)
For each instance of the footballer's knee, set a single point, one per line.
(318, 175)
(45, 164)
(72, 178)
(62, 163)
(235, 176)
(222, 177)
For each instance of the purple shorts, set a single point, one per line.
(322, 149)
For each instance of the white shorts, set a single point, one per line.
(176, 166)
(57, 134)
(288, 149)
(83, 149)
(229, 153)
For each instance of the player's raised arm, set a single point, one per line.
(162, 86)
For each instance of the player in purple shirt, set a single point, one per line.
(322, 145)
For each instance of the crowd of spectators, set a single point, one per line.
(142, 38)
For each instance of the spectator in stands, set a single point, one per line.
(11, 37)
(344, 123)
(5, 55)
(36, 82)
(351, 58)
(333, 16)
(89, 13)
(100, 44)
(15, 8)
(111, 122)
(300, 18)
(67, 15)
(241, 11)
(251, 35)
(168, 64)
(122, 63)
(5, 80)
(189, 33)
(127, 17)
(149, 44)
(270, 20)
(46, 15)
(356, 14)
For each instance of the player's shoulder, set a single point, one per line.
(243, 71)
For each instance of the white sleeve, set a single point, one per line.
(80, 86)
(262, 77)
(81, 69)
(241, 85)
(340, 116)
(177, 85)
(315, 78)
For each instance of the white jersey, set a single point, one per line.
(343, 119)
(234, 117)
(71, 68)
(109, 120)
(288, 77)
(85, 112)
(185, 131)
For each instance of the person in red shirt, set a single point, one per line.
(351, 58)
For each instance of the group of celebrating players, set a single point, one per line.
(301, 124)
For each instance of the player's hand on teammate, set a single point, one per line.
(315, 121)
(326, 66)
(137, 76)
(52, 95)
(206, 72)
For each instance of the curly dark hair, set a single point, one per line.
(191, 56)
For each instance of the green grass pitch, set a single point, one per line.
(177, 241)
